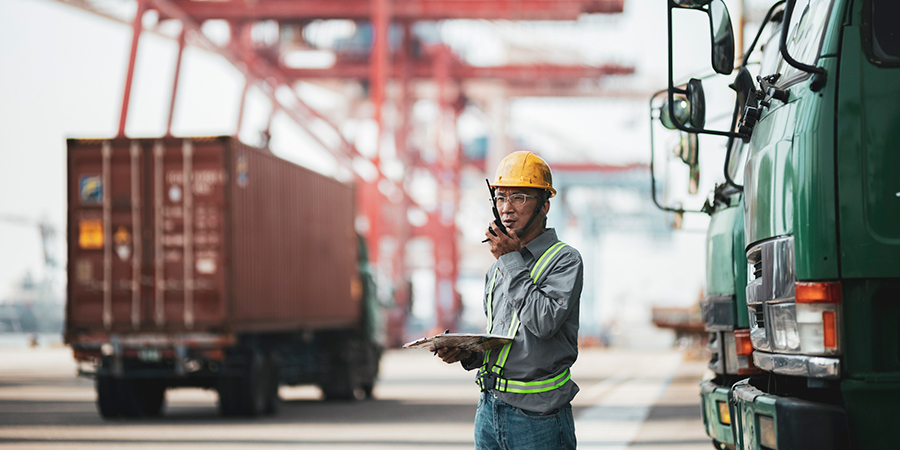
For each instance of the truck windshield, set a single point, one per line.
(737, 161)
(885, 38)
(804, 41)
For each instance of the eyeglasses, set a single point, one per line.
(515, 200)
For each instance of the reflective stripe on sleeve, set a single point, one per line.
(544, 261)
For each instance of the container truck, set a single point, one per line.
(203, 262)
(803, 247)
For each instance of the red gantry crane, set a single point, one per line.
(382, 202)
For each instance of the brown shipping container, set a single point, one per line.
(256, 244)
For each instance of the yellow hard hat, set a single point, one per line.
(524, 169)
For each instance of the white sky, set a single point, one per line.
(63, 74)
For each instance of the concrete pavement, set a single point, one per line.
(629, 399)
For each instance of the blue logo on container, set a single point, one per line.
(242, 170)
(91, 189)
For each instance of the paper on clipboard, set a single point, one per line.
(465, 341)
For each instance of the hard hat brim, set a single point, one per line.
(525, 185)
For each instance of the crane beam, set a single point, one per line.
(425, 69)
(400, 9)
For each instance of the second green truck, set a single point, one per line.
(803, 249)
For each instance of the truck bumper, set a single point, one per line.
(150, 355)
(766, 421)
(716, 414)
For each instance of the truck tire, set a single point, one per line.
(247, 394)
(343, 384)
(151, 396)
(373, 361)
(273, 402)
(347, 379)
(117, 397)
(140, 397)
(107, 397)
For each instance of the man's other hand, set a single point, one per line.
(451, 355)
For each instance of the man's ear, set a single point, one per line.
(546, 208)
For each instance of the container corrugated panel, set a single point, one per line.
(256, 243)
(294, 244)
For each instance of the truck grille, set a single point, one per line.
(757, 269)
(756, 314)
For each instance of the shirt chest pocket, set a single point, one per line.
(505, 314)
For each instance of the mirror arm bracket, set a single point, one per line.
(819, 76)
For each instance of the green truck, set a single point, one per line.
(802, 300)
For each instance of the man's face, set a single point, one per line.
(515, 216)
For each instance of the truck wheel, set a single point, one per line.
(246, 395)
(372, 366)
(368, 388)
(107, 398)
(140, 398)
(228, 399)
(151, 395)
(118, 397)
(343, 383)
(273, 371)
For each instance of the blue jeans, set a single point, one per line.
(499, 426)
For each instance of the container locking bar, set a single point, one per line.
(106, 153)
(136, 235)
(187, 151)
(159, 262)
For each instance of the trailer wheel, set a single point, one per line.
(118, 397)
(346, 378)
(373, 361)
(343, 384)
(107, 398)
(140, 397)
(150, 395)
(274, 375)
(246, 395)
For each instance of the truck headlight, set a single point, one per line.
(786, 336)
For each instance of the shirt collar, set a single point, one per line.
(540, 244)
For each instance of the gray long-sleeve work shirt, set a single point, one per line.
(546, 343)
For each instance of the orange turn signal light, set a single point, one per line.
(724, 413)
(817, 292)
(742, 342)
(829, 329)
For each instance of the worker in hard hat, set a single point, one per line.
(532, 294)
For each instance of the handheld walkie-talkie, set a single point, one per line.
(496, 212)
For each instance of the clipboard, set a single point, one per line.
(465, 341)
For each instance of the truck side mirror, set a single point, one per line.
(694, 180)
(689, 151)
(686, 149)
(692, 3)
(689, 109)
(722, 37)
(697, 103)
(678, 219)
(682, 113)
